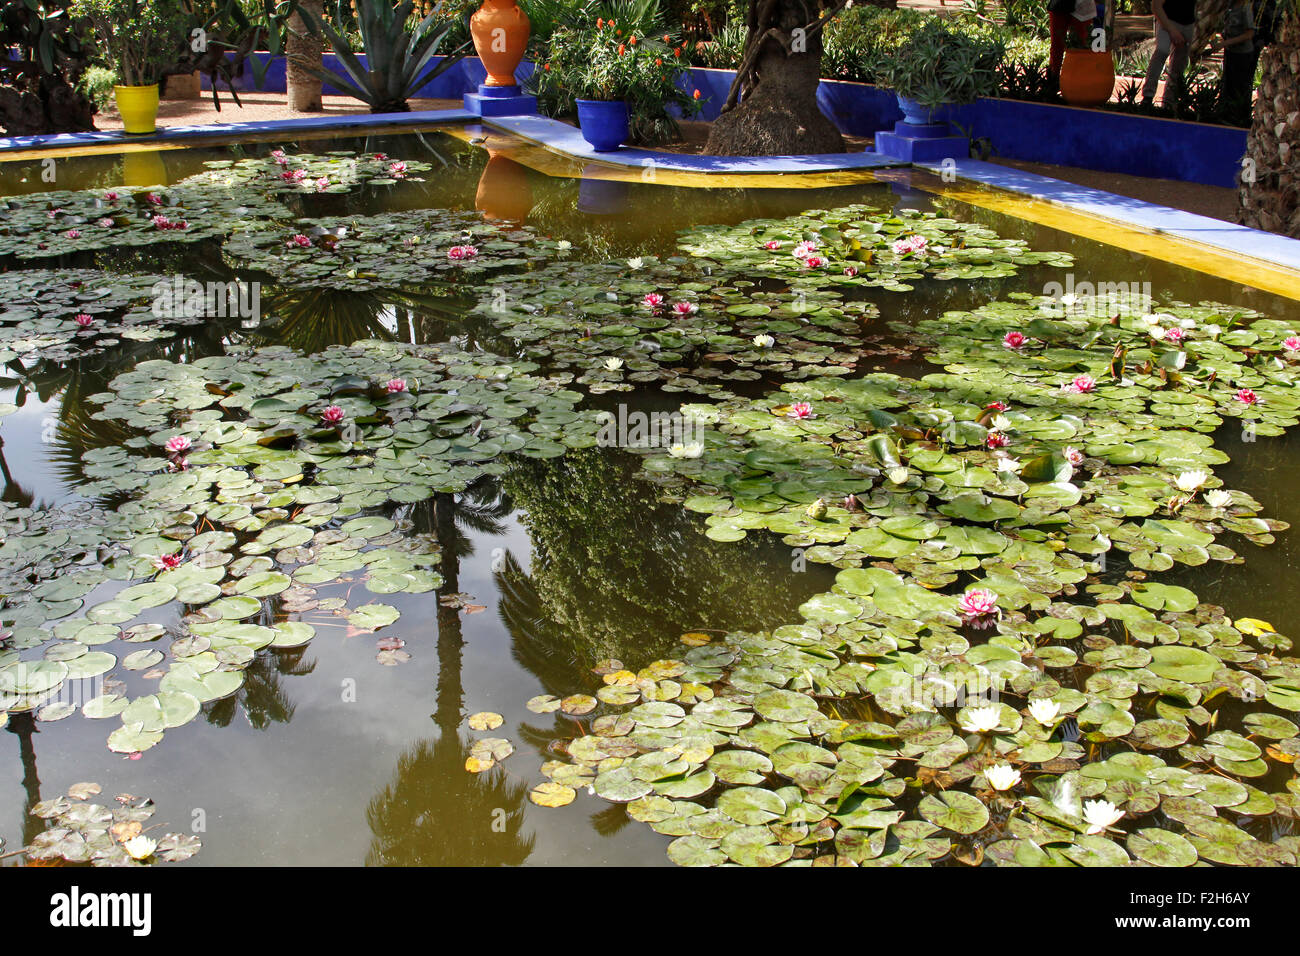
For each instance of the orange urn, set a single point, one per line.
(500, 32)
(1087, 77)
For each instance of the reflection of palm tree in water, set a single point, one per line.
(435, 812)
(23, 726)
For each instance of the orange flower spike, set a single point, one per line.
(697, 94)
(667, 39)
(677, 53)
(621, 49)
(600, 23)
(659, 61)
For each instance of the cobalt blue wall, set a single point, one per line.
(1035, 132)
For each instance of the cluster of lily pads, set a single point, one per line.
(251, 481)
(906, 720)
(211, 203)
(90, 833)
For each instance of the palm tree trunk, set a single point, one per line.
(1269, 182)
(302, 54)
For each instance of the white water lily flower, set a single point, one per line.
(1099, 814)
(636, 262)
(564, 245)
(692, 449)
(1069, 299)
(1217, 498)
(1044, 711)
(1157, 332)
(764, 341)
(613, 364)
(899, 475)
(1187, 323)
(1212, 331)
(140, 847)
(1191, 480)
(981, 720)
(1001, 423)
(1002, 777)
(1009, 465)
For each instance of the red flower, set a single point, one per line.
(600, 23)
(697, 94)
(666, 39)
(621, 49)
(677, 52)
(659, 61)
(546, 67)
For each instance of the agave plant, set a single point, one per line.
(397, 59)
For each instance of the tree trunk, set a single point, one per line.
(772, 109)
(1209, 23)
(302, 53)
(1269, 182)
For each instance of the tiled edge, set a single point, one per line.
(1228, 237)
(567, 139)
(170, 134)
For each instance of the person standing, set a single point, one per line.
(1240, 56)
(1175, 23)
(1067, 16)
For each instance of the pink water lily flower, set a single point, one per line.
(996, 406)
(1247, 396)
(279, 156)
(850, 271)
(294, 175)
(322, 184)
(996, 440)
(1073, 455)
(804, 249)
(178, 444)
(51, 213)
(1082, 384)
(652, 300)
(396, 385)
(685, 308)
(298, 241)
(1013, 340)
(104, 223)
(73, 234)
(332, 415)
(111, 196)
(772, 244)
(397, 169)
(179, 463)
(910, 245)
(153, 199)
(800, 410)
(979, 607)
(462, 252)
(1174, 335)
(83, 319)
(813, 262)
(167, 562)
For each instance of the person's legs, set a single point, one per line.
(1157, 64)
(1059, 24)
(1178, 68)
(1237, 86)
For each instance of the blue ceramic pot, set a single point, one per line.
(916, 114)
(604, 123)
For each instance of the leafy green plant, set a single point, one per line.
(398, 61)
(44, 59)
(724, 51)
(138, 38)
(604, 62)
(938, 65)
(97, 83)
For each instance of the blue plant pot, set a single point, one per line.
(917, 115)
(604, 123)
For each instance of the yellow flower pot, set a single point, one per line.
(139, 108)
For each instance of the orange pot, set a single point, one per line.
(500, 32)
(1087, 78)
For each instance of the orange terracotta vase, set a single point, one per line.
(500, 32)
(1087, 77)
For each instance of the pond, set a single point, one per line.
(368, 569)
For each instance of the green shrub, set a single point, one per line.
(940, 63)
(138, 38)
(97, 83)
(857, 39)
(604, 62)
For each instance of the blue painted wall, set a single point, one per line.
(1035, 132)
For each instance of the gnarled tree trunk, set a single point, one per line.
(1269, 183)
(772, 107)
(302, 53)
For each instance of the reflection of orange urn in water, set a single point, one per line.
(504, 191)
(500, 32)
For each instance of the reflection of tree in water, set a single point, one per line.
(434, 812)
(23, 726)
(616, 573)
(262, 695)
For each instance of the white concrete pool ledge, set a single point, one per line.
(1227, 237)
